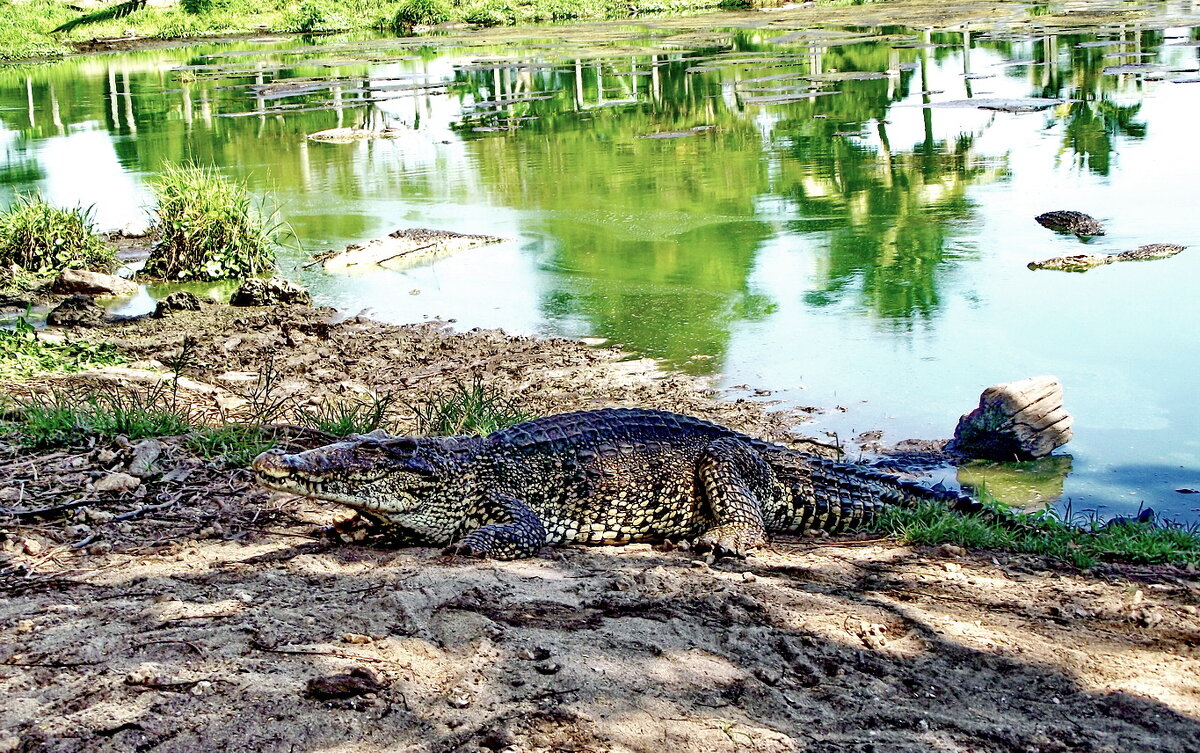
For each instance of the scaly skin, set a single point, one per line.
(597, 477)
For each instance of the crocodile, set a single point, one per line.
(609, 476)
(1068, 221)
(1084, 262)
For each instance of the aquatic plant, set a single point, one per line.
(41, 238)
(314, 15)
(211, 228)
(421, 12)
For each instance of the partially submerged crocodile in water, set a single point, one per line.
(599, 477)
(1068, 221)
(1084, 262)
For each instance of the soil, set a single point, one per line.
(170, 605)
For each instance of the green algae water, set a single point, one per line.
(839, 217)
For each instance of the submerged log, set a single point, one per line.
(1017, 420)
(403, 248)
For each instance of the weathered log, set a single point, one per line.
(1017, 420)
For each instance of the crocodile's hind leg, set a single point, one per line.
(734, 478)
(511, 532)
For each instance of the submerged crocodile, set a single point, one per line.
(1068, 221)
(598, 477)
(1084, 262)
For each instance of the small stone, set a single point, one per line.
(273, 292)
(100, 548)
(144, 454)
(358, 681)
(547, 667)
(202, 688)
(768, 676)
(25, 626)
(32, 547)
(116, 482)
(179, 301)
(459, 698)
(76, 311)
(357, 638)
(749, 577)
(950, 550)
(952, 567)
(104, 457)
(243, 596)
(537, 653)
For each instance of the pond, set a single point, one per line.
(837, 217)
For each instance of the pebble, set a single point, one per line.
(547, 667)
(117, 482)
(749, 577)
(32, 547)
(459, 698)
(537, 653)
(355, 638)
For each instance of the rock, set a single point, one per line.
(93, 283)
(76, 311)
(1067, 221)
(116, 482)
(180, 301)
(144, 455)
(357, 681)
(400, 249)
(1015, 421)
(273, 292)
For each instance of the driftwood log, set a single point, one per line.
(1018, 420)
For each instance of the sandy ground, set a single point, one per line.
(225, 619)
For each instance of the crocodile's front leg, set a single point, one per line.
(513, 531)
(733, 476)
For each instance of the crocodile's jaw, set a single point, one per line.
(380, 490)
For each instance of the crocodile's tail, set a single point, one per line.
(832, 496)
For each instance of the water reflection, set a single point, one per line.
(709, 199)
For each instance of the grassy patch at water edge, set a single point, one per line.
(27, 26)
(23, 354)
(66, 419)
(211, 228)
(44, 239)
(1082, 543)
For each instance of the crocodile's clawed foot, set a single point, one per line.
(463, 549)
(728, 542)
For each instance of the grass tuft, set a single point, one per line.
(211, 228)
(43, 239)
(62, 419)
(473, 408)
(1082, 543)
(235, 444)
(347, 416)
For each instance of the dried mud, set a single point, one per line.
(226, 620)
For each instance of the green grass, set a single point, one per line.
(211, 227)
(43, 239)
(25, 27)
(467, 409)
(1082, 542)
(23, 355)
(62, 419)
(342, 417)
(234, 444)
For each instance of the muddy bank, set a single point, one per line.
(225, 620)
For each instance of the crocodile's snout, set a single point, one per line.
(274, 464)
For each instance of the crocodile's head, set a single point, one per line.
(387, 476)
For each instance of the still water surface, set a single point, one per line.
(824, 214)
